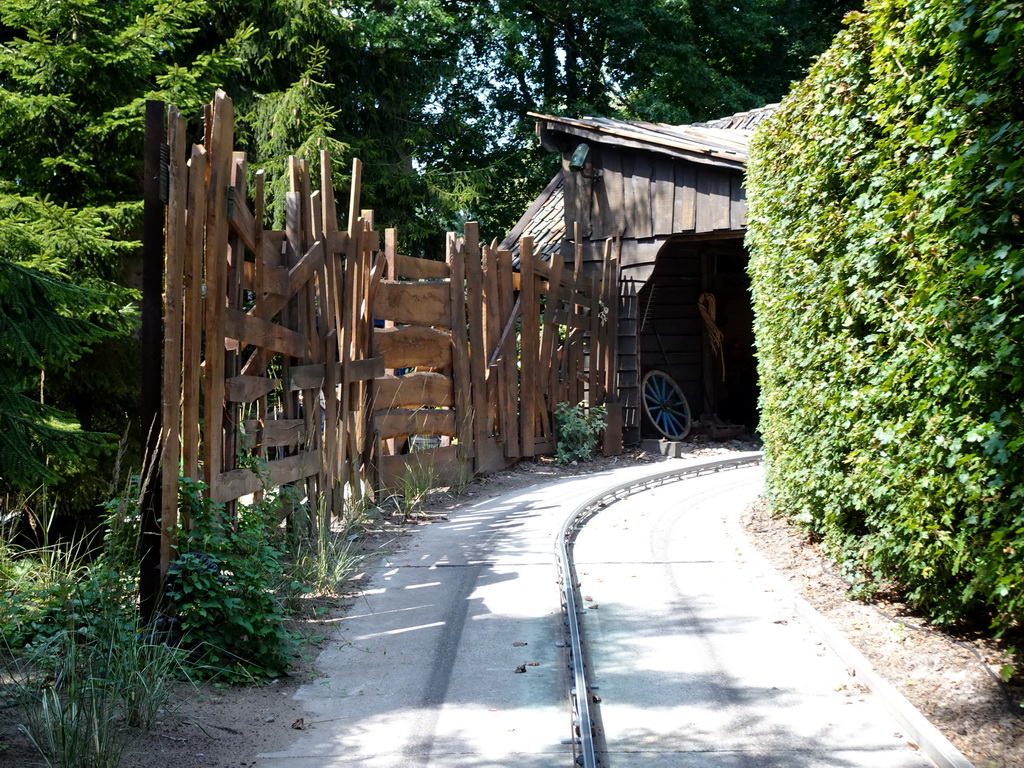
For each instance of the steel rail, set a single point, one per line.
(580, 694)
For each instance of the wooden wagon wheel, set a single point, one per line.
(665, 405)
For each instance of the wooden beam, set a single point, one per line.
(245, 389)
(192, 372)
(236, 483)
(262, 333)
(276, 433)
(413, 390)
(413, 303)
(418, 269)
(175, 252)
(402, 423)
(220, 144)
(529, 345)
(460, 345)
(409, 346)
(508, 369)
(477, 348)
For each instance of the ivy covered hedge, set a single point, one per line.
(888, 271)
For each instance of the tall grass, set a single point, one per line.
(87, 676)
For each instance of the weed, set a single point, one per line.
(578, 431)
(323, 565)
(415, 483)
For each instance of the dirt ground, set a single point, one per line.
(952, 681)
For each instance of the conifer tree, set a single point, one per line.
(74, 78)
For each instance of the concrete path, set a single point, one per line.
(424, 670)
(700, 658)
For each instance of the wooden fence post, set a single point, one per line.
(152, 320)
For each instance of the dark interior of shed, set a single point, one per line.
(675, 337)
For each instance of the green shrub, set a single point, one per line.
(887, 267)
(223, 588)
(577, 431)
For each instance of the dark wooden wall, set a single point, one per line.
(665, 209)
(643, 195)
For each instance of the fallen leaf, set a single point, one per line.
(519, 644)
(593, 606)
(300, 724)
(533, 663)
(520, 669)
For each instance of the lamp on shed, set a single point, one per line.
(579, 160)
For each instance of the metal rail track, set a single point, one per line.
(585, 752)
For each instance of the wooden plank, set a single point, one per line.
(324, 222)
(595, 382)
(364, 370)
(298, 276)
(220, 143)
(477, 349)
(242, 221)
(315, 376)
(685, 203)
(236, 483)
(663, 196)
(413, 390)
(412, 268)
(273, 248)
(491, 457)
(738, 202)
(640, 200)
(611, 349)
(258, 361)
(174, 268)
(492, 333)
(272, 280)
(276, 433)
(549, 329)
(611, 440)
(456, 257)
(312, 376)
(414, 303)
(191, 372)
(262, 333)
(713, 199)
(236, 298)
(347, 322)
(544, 446)
(508, 370)
(722, 199)
(245, 389)
(404, 422)
(577, 192)
(607, 215)
(529, 346)
(572, 319)
(614, 180)
(409, 346)
(441, 464)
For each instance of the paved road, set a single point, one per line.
(423, 672)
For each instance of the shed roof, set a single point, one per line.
(721, 142)
(716, 142)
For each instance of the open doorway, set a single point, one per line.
(695, 324)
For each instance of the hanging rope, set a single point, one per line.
(706, 305)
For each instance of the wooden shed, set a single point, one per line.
(673, 197)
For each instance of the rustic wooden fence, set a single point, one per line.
(319, 356)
